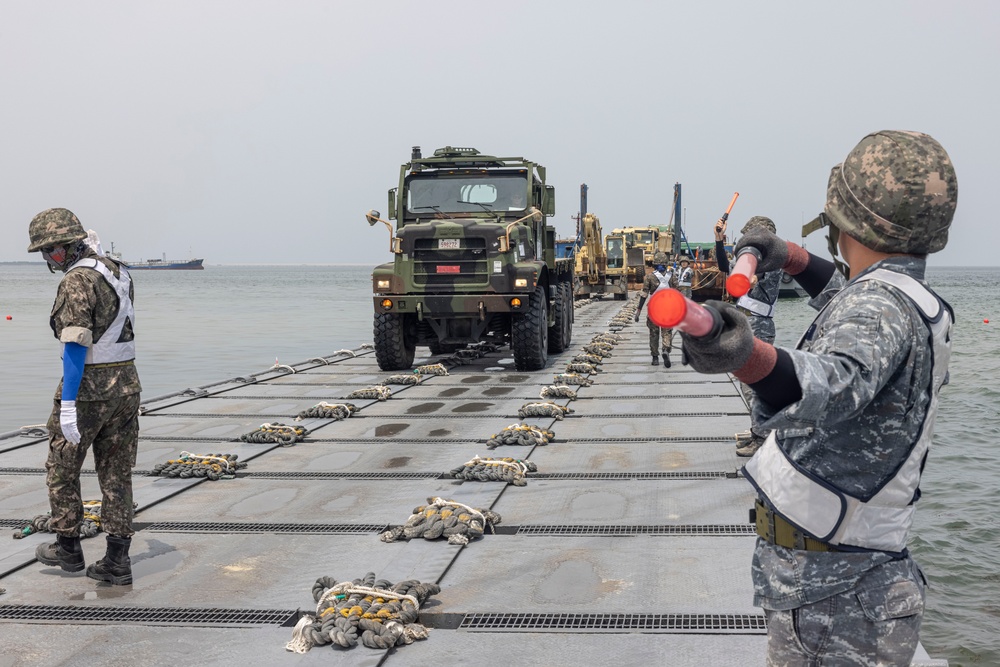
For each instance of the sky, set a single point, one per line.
(247, 132)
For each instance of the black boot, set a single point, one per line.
(656, 360)
(115, 567)
(666, 360)
(64, 552)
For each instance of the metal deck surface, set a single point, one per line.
(631, 543)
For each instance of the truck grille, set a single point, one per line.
(446, 267)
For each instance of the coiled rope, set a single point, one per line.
(507, 469)
(410, 379)
(89, 526)
(277, 432)
(558, 391)
(212, 466)
(547, 409)
(521, 434)
(384, 614)
(431, 369)
(574, 379)
(379, 392)
(459, 523)
(592, 359)
(599, 349)
(581, 367)
(324, 410)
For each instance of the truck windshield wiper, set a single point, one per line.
(437, 209)
(486, 207)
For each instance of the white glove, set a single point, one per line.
(67, 421)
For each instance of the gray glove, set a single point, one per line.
(726, 352)
(773, 250)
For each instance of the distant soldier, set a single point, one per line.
(662, 276)
(685, 276)
(97, 402)
(850, 409)
(758, 305)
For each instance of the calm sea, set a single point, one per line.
(200, 327)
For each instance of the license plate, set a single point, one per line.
(447, 269)
(448, 244)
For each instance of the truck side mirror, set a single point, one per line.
(392, 204)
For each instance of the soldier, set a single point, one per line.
(758, 305)
(97, 402)
(685, 276)
(661, 276)
(851, 409)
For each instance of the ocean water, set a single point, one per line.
(200, 327)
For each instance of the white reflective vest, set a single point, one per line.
(882, 522)
(664, 278)
(109, 348)
(684, 280)
(756, 307)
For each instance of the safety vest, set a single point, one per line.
(684, 280)
(880, 522)
(664, 278)
(109, 348)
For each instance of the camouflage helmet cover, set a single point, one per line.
(895, 193)
(759, 221)
(660, 258)
(54, 226)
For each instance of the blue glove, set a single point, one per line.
(74, 357)
(726, 352)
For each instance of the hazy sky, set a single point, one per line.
(260, 132)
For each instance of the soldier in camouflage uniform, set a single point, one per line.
(97, 402)
(662, 276)
(758, 305)
(851, 407)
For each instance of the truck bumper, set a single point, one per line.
(453, 305)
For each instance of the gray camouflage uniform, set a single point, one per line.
(864, 367)
(107, 409)
(657, 337)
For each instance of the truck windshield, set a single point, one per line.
(644, 237)
(466, 194)
(616, 258)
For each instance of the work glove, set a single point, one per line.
(67, 422)
(773, 250)
(728, 351)
(636, 316)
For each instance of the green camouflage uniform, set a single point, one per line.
(107, 410)
(658, 338)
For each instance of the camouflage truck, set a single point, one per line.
(474, 260)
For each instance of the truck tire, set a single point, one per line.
(437, 347)
(558, 332)
(393, 348)
(529, 334)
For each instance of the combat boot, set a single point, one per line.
(115, 567)
(666, 360)
(64, 552)
(750, 448)
(656, 360)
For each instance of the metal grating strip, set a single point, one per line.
(156, 615)
(41, 471)
(314, 474)
(628, 475)
(694, 623)
(716, 530)
(299, 528)
(643, 415)
(14, 523)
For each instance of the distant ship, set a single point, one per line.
(159, 264)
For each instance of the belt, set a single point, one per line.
(112, 364)
(772, 528)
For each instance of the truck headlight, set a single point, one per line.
(382, 284)
(520, 282)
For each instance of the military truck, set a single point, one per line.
(473, 261)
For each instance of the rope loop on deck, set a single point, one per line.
(378, 392)
(211, 466)
(547, 409)
(324, 410)
(277, 432)
(449, 518)
(507, 469)
(520, 434)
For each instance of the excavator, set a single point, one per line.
(591, 272)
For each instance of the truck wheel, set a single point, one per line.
(557, 332)
(437, 347)
(393, 348)
(529, 334)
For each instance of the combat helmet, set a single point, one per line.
(894, 193)
(659, 257)
(759, 222)
(54, 226)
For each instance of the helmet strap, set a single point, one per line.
(832, 237)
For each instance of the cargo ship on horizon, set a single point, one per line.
(163, 264)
